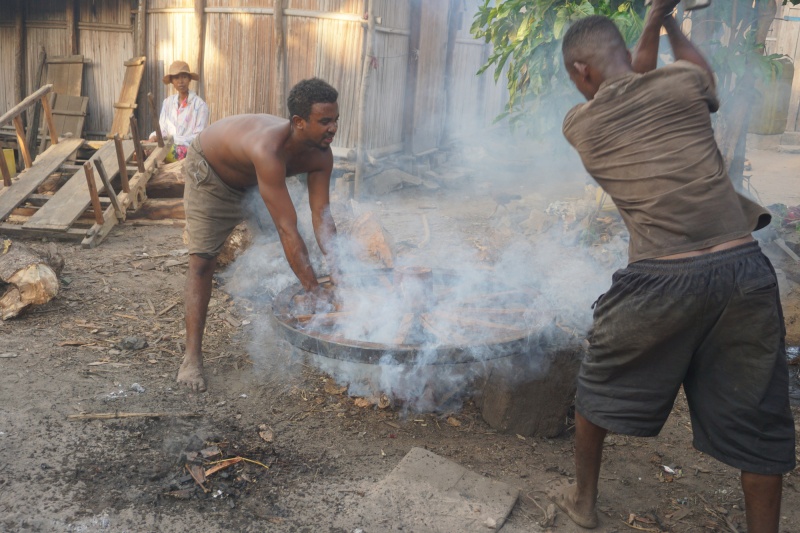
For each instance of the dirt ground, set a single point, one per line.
(127, 475)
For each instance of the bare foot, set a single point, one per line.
(191, 374)
(564, 495)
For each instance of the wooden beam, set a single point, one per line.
(200, 31)
(24, 104)
(23, 145)
(48, 117)
(98, 211)
(123, 165)
(72, 26)
(112, 196)
(157, 124)
(279, 37)
(141, 28)
(33, 128)
(366, 68)
(4, 169)
(410, 94)
(453, 25)
(19, 56)
(137, 144)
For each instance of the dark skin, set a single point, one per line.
(762, 493)
(263, 150)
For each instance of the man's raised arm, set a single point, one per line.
(682, 47)
(645, 54)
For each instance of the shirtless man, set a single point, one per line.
(697, 306)
(245, 151)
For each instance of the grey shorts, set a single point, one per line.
(213, 208)
(712, 324)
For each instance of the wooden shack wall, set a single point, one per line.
(324, 38)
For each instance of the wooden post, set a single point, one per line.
(453, 25)
(123, 166)
(141, 27)
(23, 146)
(19, 56)
(159, 135)
(411, 75)
(4, 170)
(101, 170)
(33, 127)
(72, 27)
(98, 211)
(369, 56)
(137, 144)
(279, 37)
(48, 117)
(200, 31)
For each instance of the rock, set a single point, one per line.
(133, 343)
(135, 387)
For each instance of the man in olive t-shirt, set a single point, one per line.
(697, 305)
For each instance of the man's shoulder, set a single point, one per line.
(575, 122)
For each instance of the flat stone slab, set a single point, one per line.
(426, 493)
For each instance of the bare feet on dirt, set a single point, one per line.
(191, 375)
(564, 495)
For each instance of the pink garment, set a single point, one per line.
(183, 122)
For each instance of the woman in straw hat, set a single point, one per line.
(183, 115)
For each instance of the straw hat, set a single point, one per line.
(179, 67)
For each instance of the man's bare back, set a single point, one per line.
(233, 145)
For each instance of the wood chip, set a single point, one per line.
(222, 465)
(198, 474)
(266, 433)
(362, 402)
(8, 355)
(332, 388)
(453, 421)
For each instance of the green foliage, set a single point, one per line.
(525, 36)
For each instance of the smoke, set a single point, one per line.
(503, 289)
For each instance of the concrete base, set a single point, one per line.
(791, 138)
(426, 493)
(531, 394)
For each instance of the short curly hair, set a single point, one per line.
(309, 92)
(593, 37)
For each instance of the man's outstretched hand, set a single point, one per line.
(321, 299)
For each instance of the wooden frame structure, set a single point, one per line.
(76, 211)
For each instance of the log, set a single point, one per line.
(237, 242)
(373, 244)
(160, 209)
(167, 182)
(26, 279)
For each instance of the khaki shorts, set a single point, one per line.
(213, 208)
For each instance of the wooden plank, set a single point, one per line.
(69, 115)
(66, 74)
(15, 230)
(29, 180)
(73, 197)
(48, 119)
(123, 109)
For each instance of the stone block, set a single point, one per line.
(426, 493)
(530, 394)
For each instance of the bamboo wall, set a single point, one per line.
(324, 38)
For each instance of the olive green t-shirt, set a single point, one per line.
(648, 142)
